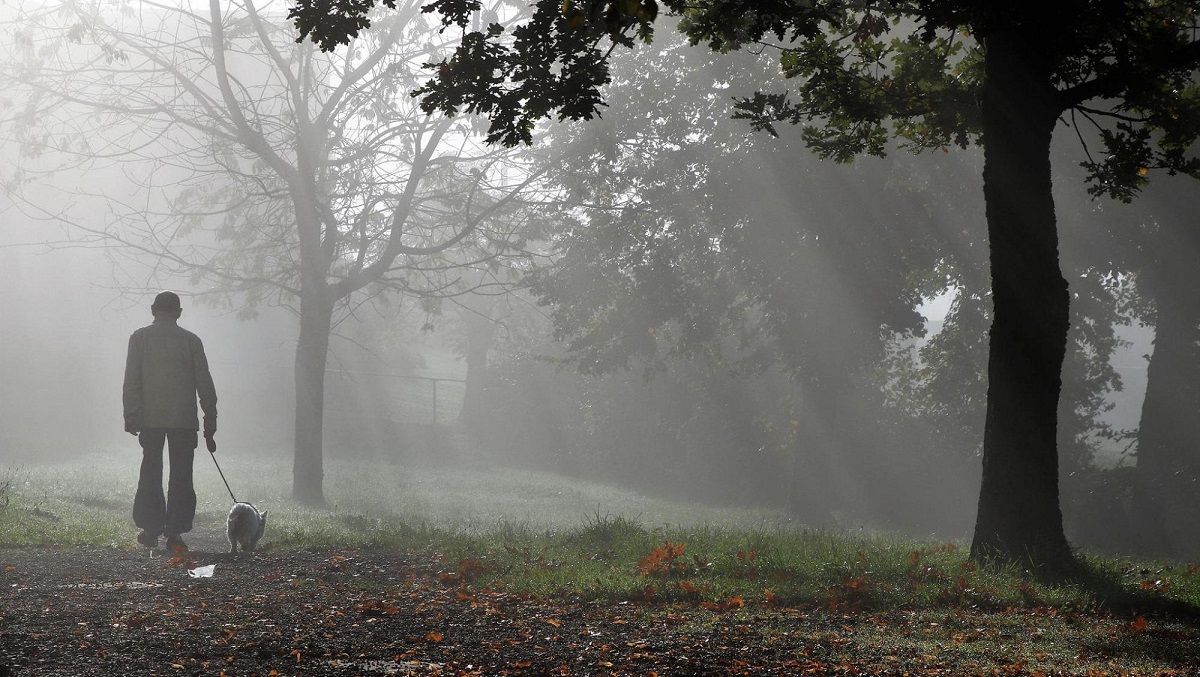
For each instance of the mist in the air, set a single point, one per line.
(660, 300)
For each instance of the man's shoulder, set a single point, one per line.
(191, 337)
(164, 328)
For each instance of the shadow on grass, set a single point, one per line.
(1118, 596)
(1161, 628)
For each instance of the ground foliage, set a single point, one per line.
(332, 611)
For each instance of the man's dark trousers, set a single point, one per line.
(175, 514)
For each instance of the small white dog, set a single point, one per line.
(245, 526)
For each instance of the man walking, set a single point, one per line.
(165, 372)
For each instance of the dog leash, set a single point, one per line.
(212, 451)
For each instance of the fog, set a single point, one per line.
(778, 331)
(63, 341)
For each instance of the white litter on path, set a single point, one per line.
(202, 572)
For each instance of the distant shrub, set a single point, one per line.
(8, 483)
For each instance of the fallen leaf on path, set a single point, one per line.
(1138, 626)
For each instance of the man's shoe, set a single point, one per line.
(148, 539)
(175, 542)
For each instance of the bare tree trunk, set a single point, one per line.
(1019, 517)
(480, 329)
(312, 350)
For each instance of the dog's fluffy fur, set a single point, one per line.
(245, 526)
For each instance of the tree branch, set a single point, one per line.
(1113, 84)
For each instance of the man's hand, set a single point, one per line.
(210, 429)
(131, 427)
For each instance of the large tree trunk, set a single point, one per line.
(312, 349)
(1166, 462)
(1019, 517)
(1164, 492)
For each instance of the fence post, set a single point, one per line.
(398, 376)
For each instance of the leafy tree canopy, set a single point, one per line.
(864, 71)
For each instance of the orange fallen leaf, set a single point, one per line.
(914, 558)
(735, 602)
(1158, 585)
(1138, 626)
(663, 560)
(433, 637)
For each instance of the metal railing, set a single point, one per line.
(434, 380)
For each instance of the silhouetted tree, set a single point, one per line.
(1151, 253)
(904, 69)
(270, 171)
(1134, 263)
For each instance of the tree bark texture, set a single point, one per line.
(1019, 517)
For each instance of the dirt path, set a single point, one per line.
(130, 612)
(110, 612)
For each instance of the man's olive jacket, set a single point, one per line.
(165, 371)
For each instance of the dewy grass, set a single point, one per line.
(32, 521)
(371, 502)
(551, 536)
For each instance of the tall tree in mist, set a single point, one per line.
(1168, 446)
(943, 381)
(268, 171)
(1149, 253)
(699, 248)
(905, 69)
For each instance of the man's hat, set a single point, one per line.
(167, 301)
